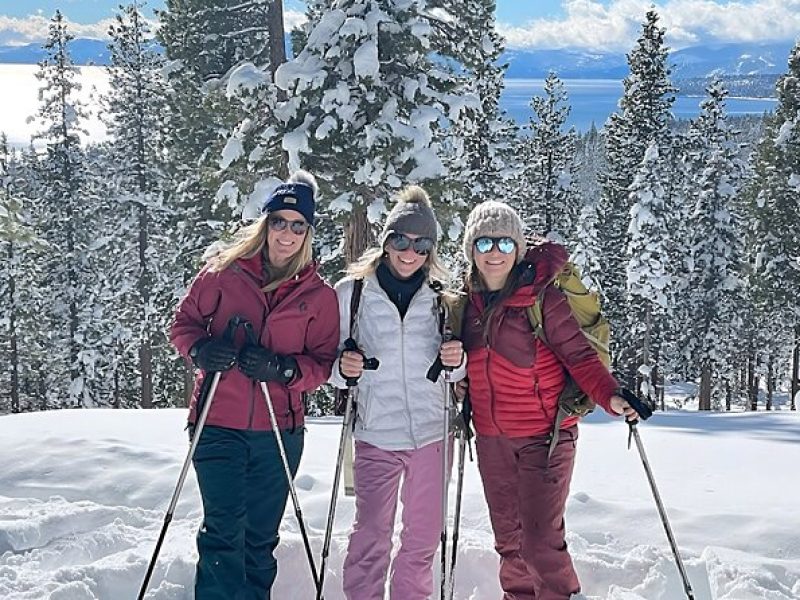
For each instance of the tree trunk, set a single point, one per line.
(145, 343)
(754, 393)
(277, 56)
(770, 381)
(728, 396)
(704, 396)
(640, 378)
(795, 386)
(12, 334)
(357, 234)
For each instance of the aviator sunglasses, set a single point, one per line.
(505, 245)
(279, 224)
(400, 242)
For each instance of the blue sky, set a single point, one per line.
(588, 24)
(88, 11)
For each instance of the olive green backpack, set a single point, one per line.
(585, 307)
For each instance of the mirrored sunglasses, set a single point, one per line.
(506, 245)
(279, 224)
(400, 242)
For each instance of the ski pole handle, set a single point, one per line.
(370, 364)
(641, 407)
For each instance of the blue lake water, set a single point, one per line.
(593, 100)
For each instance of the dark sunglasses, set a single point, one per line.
(279, 224)
(506, 245)
(400, 242)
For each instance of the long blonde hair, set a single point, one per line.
(368, 262)
(252, 239)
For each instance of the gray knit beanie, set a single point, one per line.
(494, 219)
(412, 214)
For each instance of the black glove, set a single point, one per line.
(262, 364)
(213, 354)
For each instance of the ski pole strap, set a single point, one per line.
(556, 433)
(640, 406)
(437, 367)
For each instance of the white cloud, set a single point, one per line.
(34, 28)
(293, 19)
(589, 24)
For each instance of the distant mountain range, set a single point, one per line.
(739, 59)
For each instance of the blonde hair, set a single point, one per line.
(252, 239)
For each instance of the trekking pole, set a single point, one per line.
(433, 375)
(289, 478)
(344, 439)
(211, 390)
(462, 450)
(285, 460)
(204, 399)
(645, 413)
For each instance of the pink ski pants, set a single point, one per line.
(378, 476)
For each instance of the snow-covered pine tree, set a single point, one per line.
(648, 273)
(141, 286)
(479, 145)
(16, 236)
(586, 249)
(773, 210)
(203, 40)
(643, 117)
(64, 217)
(366, 102)
(713, 299)
(547, 197)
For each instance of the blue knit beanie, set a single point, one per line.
(295, 196)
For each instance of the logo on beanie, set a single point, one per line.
(289, 200)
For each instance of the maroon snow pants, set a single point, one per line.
(526, 498)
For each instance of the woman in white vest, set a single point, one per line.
(399, 418)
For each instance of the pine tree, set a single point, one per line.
(64, 218)
(714, 296)
(642, 120)
(203, 41)
(547, 195)
(773, 209)
(649, 279)
(135, 111)
(16, 236)
(366, 105)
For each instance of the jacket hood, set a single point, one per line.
(548, 259)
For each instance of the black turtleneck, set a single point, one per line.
(400, 291)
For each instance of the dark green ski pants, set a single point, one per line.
(244, 489)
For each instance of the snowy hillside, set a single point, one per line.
(82, 495)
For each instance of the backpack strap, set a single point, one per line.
(536, 317)
(355, 302)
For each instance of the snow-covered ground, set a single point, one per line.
(83, 495)
(19, 101)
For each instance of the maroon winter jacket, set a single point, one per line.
(300, 318)
(514, 378)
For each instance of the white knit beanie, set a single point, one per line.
(494, 219)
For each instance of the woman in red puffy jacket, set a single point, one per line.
(268, 278)
(514, 384)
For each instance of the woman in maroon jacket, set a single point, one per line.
(266, 277)
(514, 383)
